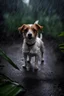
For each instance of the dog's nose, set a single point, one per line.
(30, 36)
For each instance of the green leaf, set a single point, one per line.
(8, 59)
(10, 89)
(62, 34)
(5, 77)
(62, 51)
(61, 44)
(62, 47)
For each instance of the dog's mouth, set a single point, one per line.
(29, 37)
(30, 40)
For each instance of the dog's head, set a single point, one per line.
(30, 30)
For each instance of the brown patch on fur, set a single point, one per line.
(39, 27)
(22, 27)
(35, 28)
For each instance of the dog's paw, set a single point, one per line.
(42, 61)
(24, 66)
(28, 61)
(36, 68)
(28, 68)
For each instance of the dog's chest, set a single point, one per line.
(35, 49)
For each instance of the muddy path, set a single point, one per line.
(36, 83)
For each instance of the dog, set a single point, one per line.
(32, 44)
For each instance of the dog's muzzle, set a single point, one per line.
(30, 36)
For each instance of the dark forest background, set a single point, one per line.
(14, 13)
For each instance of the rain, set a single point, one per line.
(49, 78)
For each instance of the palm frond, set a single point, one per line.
(8, 59)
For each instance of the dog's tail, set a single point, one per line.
(41, 36)
(36, 22)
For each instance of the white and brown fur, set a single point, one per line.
(32, 44)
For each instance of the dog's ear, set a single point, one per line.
(39, 27)
(22, 28)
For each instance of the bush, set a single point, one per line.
(61, 45)
(12, 21)
(52, 25)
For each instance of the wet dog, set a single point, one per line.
(32, 44)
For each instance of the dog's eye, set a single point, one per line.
(25, 30)
(34, 30)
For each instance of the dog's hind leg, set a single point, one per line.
(42, 52)
(42, 59)
(36, 63)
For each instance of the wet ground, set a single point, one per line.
(47, 81)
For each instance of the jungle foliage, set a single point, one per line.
(14, 13)
(9, 87)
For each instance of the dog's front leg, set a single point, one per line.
(25, 58)
(28, 58)
(27, 62)
(36, 62)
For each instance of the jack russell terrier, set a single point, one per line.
(32, 44)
